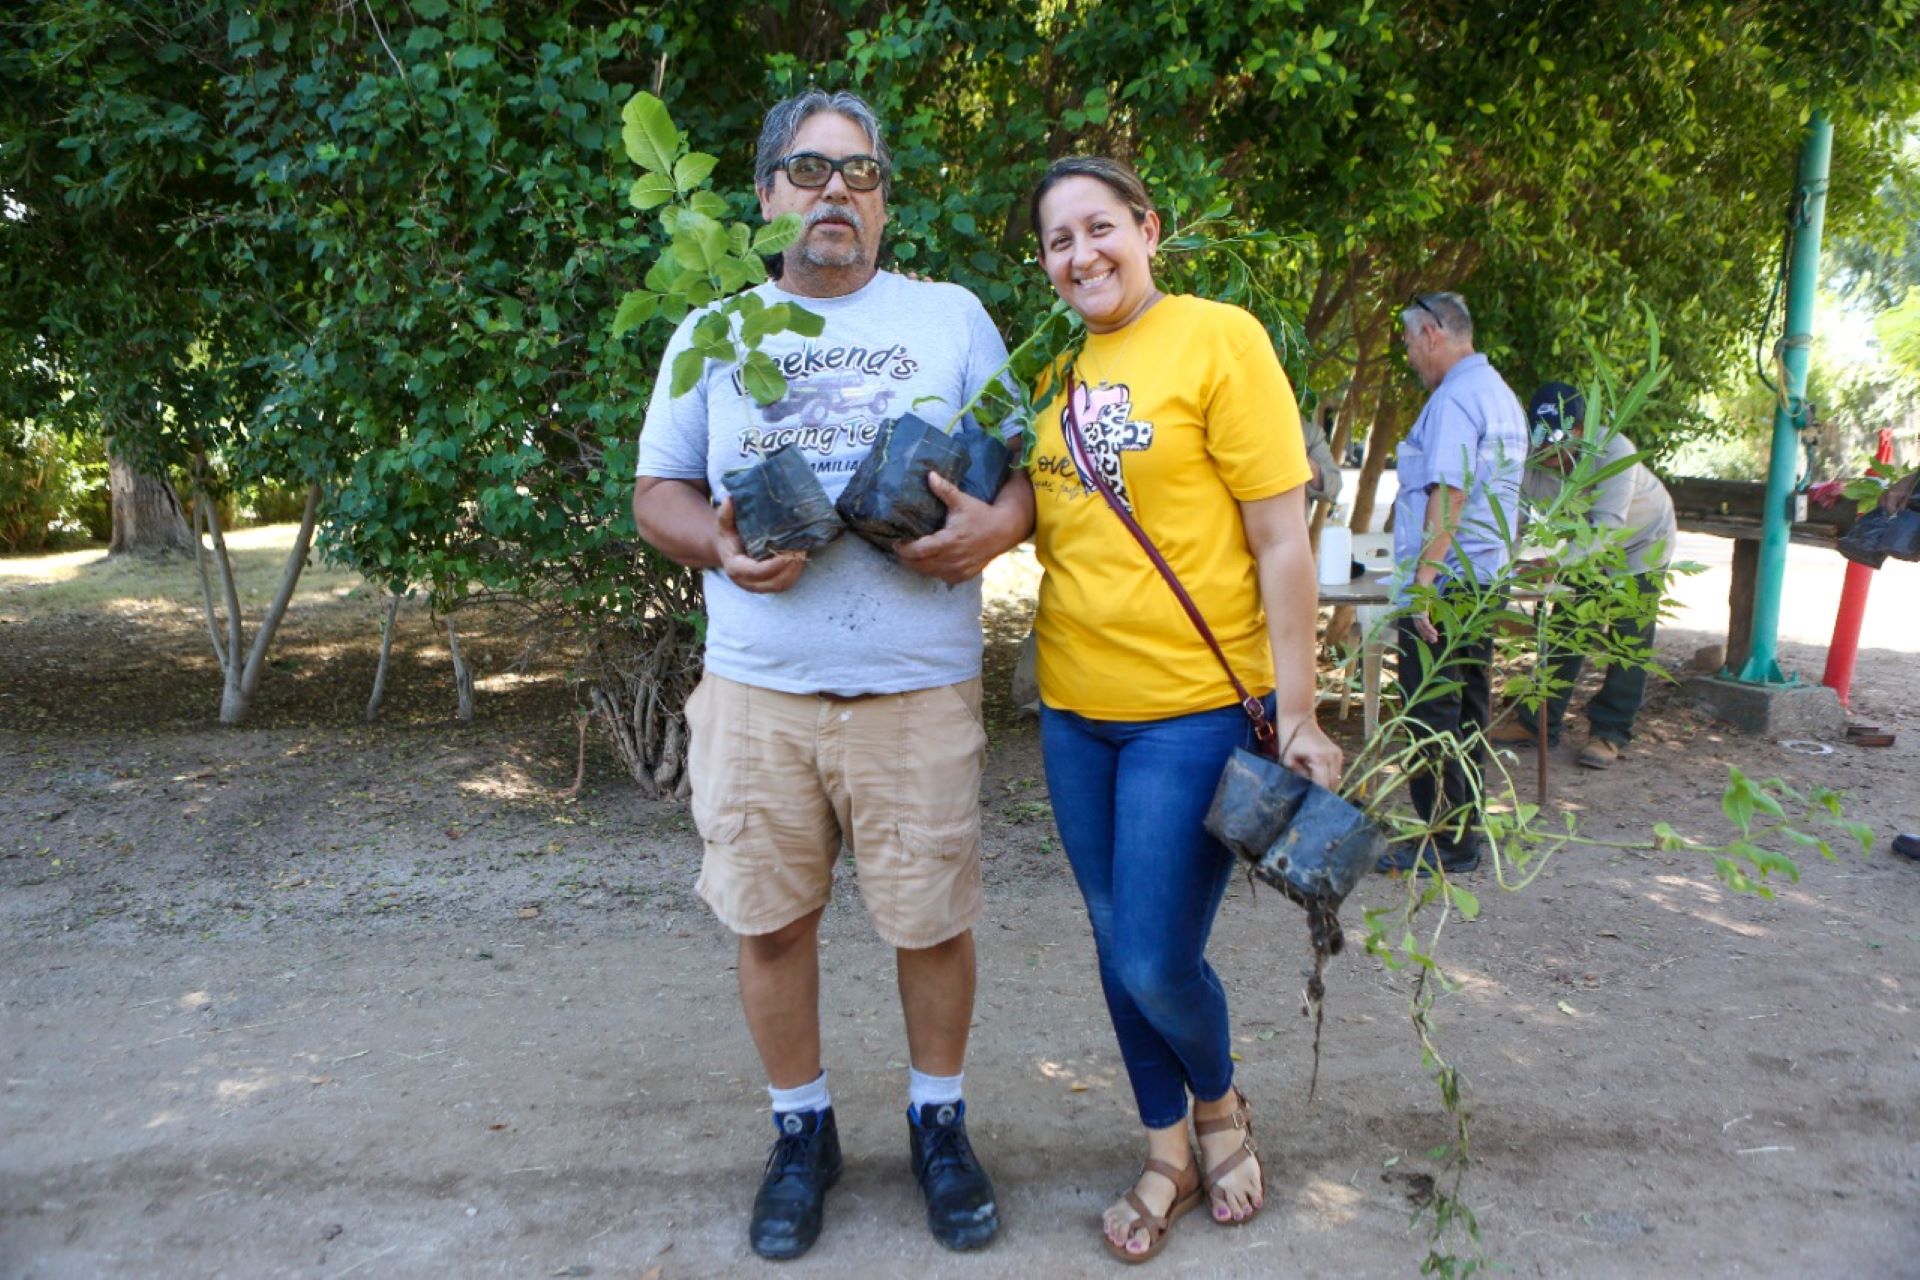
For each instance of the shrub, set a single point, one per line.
(53, 491)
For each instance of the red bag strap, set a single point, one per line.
(1264, 737)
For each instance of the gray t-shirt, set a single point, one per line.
(1632, 499)
(856, 621)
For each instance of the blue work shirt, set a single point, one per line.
(1471, 435)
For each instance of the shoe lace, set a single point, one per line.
(791, 1155)
(946, 1147)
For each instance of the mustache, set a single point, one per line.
(833, 213)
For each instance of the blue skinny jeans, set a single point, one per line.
(1130, 798)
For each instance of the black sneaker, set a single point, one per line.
(960, 1208)
(1408, 855)
(804, 1162)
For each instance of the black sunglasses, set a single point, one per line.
(811, 170)
(1421, 302)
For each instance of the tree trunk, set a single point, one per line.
(243, 672)
(1381, 438)
(147, 519)
(386, 651)
(462, 676)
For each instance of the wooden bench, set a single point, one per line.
(1732, 509)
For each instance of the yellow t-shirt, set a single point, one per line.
(1186, 412)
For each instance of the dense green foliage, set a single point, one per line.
(380, 245)
(53, 488)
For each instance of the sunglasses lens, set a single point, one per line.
(809, 171)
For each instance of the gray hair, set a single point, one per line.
(784, 121)
(1446, 311)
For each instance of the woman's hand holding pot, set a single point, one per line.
(1308, 750)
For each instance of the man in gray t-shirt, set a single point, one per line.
(1632, 500)
(841, 699)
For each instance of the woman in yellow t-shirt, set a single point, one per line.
(1182, 407)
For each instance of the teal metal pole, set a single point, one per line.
(1809, 213)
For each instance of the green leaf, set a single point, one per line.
(694, 222)
(687, 368)
(711, 329)
(650, 190)
(1771, 863)
(467, 57)
(712, 240)
(777, 235)
(1468, 905)
(636, 308)
(651, 140)
(760, 324)
(1737, 801)
(804, 322)
(687, 252)
(664, 275)
(692, 169)
(763, 378)
(709, 203)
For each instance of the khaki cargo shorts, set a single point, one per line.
(780, 780)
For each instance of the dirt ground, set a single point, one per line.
(313, 998)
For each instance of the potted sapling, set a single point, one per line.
(779, 504)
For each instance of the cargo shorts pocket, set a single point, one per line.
(717, 749)
(920, 840)
(939, 800)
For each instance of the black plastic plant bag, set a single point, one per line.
(887, 501)
(778, 505)
(1253, 803)
(1879, 534)
(1325, 851)
(988, 462)
(1299, 837)
(1891, 528)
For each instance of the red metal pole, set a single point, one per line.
(1853, 609)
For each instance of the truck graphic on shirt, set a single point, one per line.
(828, 395)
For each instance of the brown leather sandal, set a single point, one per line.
(1186, 1197)
(1239, 1119)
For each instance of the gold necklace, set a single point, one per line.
(1119, 356)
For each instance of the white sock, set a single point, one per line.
(812, 1096)
(924, 1090)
